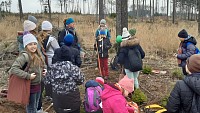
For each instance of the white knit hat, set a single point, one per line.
(28, 38)
(46, 25)
(29, 26)
(125, 34)
(103, 21)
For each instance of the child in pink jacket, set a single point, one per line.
(113, 96)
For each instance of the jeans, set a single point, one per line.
(33, 103)
(133, 75)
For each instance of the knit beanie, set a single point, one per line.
(100, 80)
(125, 34)
(103, 21)
(28, 38)
(29, 26)
(68, 39)
(32, 19)
(119, 39)
(127, 84)
(69, 21)
(46, 25)
(132, 31)
(183, 34)
(193, 63)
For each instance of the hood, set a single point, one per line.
(63, 53)
(133, 41)
(193, 81)
(192, 40)
(109, 92)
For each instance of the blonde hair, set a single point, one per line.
(42, 36)
(36, 58)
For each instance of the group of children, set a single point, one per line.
(55, 66)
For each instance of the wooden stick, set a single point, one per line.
(49, 107)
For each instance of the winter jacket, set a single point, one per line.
(187, 50)
(132, 43)
(66, 53)
(103, 45)
(107, 32)
(113, 101)
(50, 44)
(16, 69)
(65, 78)
(181, 99)
(64, 32)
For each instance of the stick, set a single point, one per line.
(49, 107)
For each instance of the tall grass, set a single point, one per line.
(159, 38)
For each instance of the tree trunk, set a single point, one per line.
(153, 11)
(20, 9)
(199, 17)
(174, 10)
(133, 10)
(49, 6)
(137, 10)
(97, 4)
(101, 10)
(167, 9)
(143, 11)
(150, 11)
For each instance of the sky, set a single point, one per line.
(32, 6)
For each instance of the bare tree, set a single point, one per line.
(199, 16)
(61, 5)
(49, 6)
(122, 15)
(167, 9)
(133, 10)
(174, 10)
(101, 9)
(20, 9)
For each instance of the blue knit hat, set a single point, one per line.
(68, 39)
(69, 21)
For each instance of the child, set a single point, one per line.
(131, 43)
(102, 26)
(65, 78)
(113, 96)
(30, 55)
(186, 49)
(102, 46)
(48, 42)
(75, 54)
(185, 96)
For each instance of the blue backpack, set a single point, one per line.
(196, 49)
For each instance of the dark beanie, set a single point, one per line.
(68, 39)
(183, 34)
(193, 63)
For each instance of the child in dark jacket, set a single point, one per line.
(102, 46)
(186, 49)
(185, 96)
(74, 53)
(65, 78)
(131, 43)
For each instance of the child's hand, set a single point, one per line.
(44, 72)
(33, 75)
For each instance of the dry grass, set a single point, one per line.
(159, 38)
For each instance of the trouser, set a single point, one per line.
(40, 100)
(104, 66)
(133, 75)
(33, 102)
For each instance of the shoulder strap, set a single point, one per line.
(26, 66)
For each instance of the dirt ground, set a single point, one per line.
(155, 86)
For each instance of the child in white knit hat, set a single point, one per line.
(33, 57)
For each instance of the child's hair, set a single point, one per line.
(36, 58)
(42, 36)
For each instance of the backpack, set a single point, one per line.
(135, 59)
(196, 49)
(114, 63)
(92, 99)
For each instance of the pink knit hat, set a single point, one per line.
(127, 84)
(100, 80)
